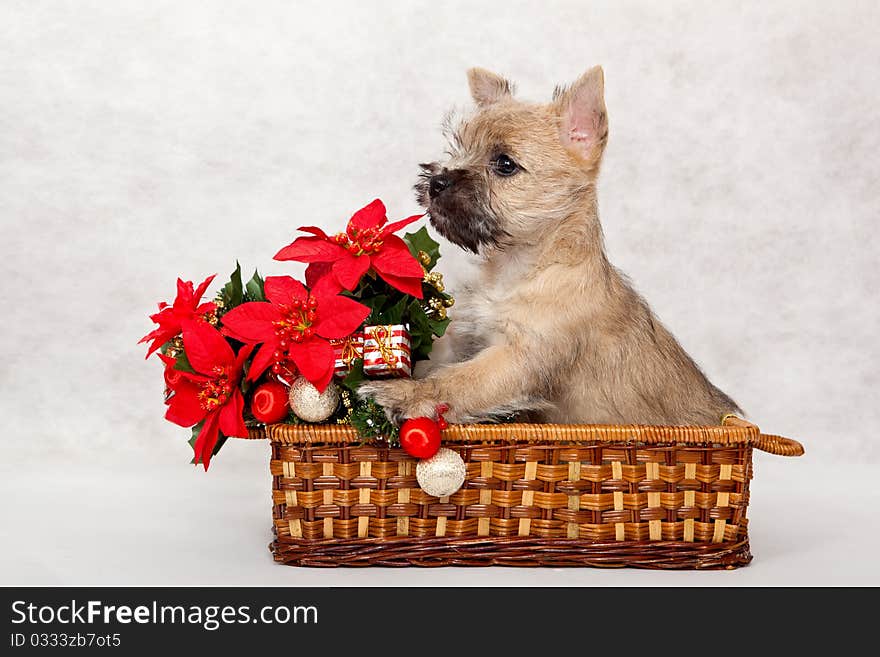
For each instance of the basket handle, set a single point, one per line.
(763, 441)
(767, 442)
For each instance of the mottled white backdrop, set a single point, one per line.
(142, 140)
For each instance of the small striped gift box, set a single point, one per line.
(346, 351)
(387, 350)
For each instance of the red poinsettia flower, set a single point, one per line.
(185, 308)
(368, 242)
(295, 325)
(211, 393)
(172, 374)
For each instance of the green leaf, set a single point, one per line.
(192, 441)
(196, 430)
(182, 363)
(232, 293)
(438, 326)
(375, 303)
(221, 440)
(422, 241)
(395, 314)
(419, 331)
(245, 385)
(355, 375)
(417, 319)
(254, 288)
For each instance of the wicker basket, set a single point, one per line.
(535, 495)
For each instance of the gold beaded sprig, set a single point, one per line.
(349, 407)
(435, 280)
(175, 346)
(435, 305)
(213, 318)
(432, 278)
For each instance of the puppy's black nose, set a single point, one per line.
(438, 184)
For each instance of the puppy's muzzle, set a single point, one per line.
(442, 181)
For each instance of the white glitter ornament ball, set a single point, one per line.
(310, 405)
(442, 474)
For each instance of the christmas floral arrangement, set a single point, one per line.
(279, 350)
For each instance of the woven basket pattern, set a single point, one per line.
(596, 492)
(552, 495)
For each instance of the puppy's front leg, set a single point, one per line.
(495, 382)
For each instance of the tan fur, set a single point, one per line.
(549, 325)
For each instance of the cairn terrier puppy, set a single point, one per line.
(549, 326)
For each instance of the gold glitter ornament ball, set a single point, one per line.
(310, 405)
(442, 474)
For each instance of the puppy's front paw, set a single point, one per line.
(401, 398)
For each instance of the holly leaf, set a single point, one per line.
(438, 326)
(355, 375)
(182, 363)
(245, 385)
(196, 430)
(419, 331)
(374, 303)
(395, 313)
(422, 241)
(221, 440)
(417, 320)
(254, 288)
(232, 294)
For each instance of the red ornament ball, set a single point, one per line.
(269, 402)
(420, 437)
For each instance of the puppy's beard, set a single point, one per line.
(460, 216)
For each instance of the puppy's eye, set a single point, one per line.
(504, 165)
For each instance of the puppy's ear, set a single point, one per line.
(487, 87)
(583, 121)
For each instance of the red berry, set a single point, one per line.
(420, 437)
(269, 403)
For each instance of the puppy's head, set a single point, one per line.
(515, 168)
